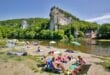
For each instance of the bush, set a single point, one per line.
(81, 34)
(59, 34)
(71, 37)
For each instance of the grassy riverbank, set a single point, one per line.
(104, 40)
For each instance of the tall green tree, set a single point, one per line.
(104, 31)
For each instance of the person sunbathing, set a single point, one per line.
(66, 58)
(51, 53)
(59, 58)
(57, 65)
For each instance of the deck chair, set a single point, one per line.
(84, 69)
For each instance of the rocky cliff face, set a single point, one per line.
(24, 24)
(59, 17)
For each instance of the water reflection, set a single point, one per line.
(102, 48)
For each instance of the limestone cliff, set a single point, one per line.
(60, 17)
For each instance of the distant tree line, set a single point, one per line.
(104, 31)
(39, 29)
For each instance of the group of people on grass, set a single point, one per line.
(58, 63)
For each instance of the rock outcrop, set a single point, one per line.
(59, 17)
(24, 24)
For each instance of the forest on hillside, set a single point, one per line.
(38, 28)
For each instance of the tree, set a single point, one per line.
(71, 38)
(21, 34)
(1, 35)
(30, 34)
(81, 34)
(104, 31)
(45, 34)
(58, 34)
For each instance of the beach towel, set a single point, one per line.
(72, 67)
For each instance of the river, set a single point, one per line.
(91, 47)
(101, 48)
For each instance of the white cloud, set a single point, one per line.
(99, 18)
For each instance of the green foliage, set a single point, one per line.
(58, 35)
(30, 34)
(21, 34)
(81, 34)
(38, 29)
(12, 28)
(80, 26)
(83, 25)
(45, 34)
(71, 38)
(65, 38)
(1, 35)
(106, 63)
(104, 31)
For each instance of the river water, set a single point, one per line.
(91, 47)
(101, 48)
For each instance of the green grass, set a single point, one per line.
(104, 40)
(2, 42)
(106, 63)
(29, 60)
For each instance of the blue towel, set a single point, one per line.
(72, 67)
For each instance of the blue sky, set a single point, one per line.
(90, 10)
